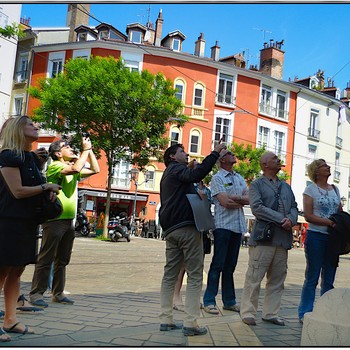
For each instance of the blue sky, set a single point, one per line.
(315, 35)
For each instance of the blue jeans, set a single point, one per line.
(317, 263)
(226, 249)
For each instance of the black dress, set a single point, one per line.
(18, 230)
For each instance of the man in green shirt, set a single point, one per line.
(58, 235)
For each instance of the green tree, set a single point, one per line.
(12, 31)
(125, 112)
(248, 162)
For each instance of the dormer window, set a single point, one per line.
(104, 34)
(82, 36)
(135, 37)
(176, 44)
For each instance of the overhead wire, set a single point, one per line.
(214, 92)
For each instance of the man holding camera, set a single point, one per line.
(58, 235)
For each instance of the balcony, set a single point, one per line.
(313, 134)
(21, 77)
(197, 112)
(227, 99)
(338, 142)
(273, 111)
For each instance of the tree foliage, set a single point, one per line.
(12, 31)
(125, 112)
(248, 162)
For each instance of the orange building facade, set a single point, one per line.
(221, 99)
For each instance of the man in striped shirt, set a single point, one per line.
(230, 194)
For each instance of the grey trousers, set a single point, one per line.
(57, 244)
(184, 247)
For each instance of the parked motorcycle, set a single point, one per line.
(81, 224)
(118, 228)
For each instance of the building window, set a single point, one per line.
(82, 54)
(4, 19)
(198, 95)
(174, 136)
(225, 91)
(57, 67)
(135, 37)
(82, 36)
(179, 87)
(281, 104)
(311, 156)
(273, 102)
(279, 140)
(176, 44)
(151, 177)
(222, 129)
(313, 132)
(104, 34)
(132, 61)
(18, 105)
(133, 66)
(263, 137)
(120, 175)
(194, 141)
(337, 167)
(21, 74)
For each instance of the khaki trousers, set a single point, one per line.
(272, 262)
(57, 245)
(184, 246)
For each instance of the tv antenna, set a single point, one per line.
(264, 32)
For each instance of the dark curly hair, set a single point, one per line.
(171, 151)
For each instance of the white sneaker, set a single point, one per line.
(66, 292)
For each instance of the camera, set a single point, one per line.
(86, 134)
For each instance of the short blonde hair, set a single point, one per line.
(12, 134)
(312, 168)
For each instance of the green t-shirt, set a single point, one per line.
(68, 194)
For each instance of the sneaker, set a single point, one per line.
(169, 326)
(211, 309)
(40, 303)
(232, 308)
(301, 319)
(275, 320)
(190, 331)
(63, 300)
(66, 292)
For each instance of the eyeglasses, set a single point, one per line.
(65, 144)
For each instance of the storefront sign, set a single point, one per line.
(116, 195)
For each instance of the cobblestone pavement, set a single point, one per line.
(116, 287)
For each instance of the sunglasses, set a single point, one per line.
(65, 144)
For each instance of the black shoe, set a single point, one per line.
(169, 326)
(276, 320)
(63, 300)
(40, 303)
(190, 331)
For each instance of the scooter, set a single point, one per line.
(118, 228)
(82, 225)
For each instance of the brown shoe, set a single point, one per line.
(250, 321)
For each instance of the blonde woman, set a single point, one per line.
(20, 180)
(321, 200)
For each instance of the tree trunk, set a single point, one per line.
(108, 200)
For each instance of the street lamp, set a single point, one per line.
(134, 173)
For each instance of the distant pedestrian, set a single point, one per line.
(321, 200)
(272, 201)
(184, 245)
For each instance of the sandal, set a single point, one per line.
(24, 305)
(16, 328)
(179, 307)
(4, 337)
(211, 309)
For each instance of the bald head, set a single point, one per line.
(270, 164)
(265, 158)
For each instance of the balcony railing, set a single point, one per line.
(196, 112)
(225, 99)
(314, 134)
(21, 76)
(273, 111)
(339, 142)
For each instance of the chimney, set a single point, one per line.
(200, 45)
(215, 52)
(272, 59)
(159, 29)
(78, 14)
